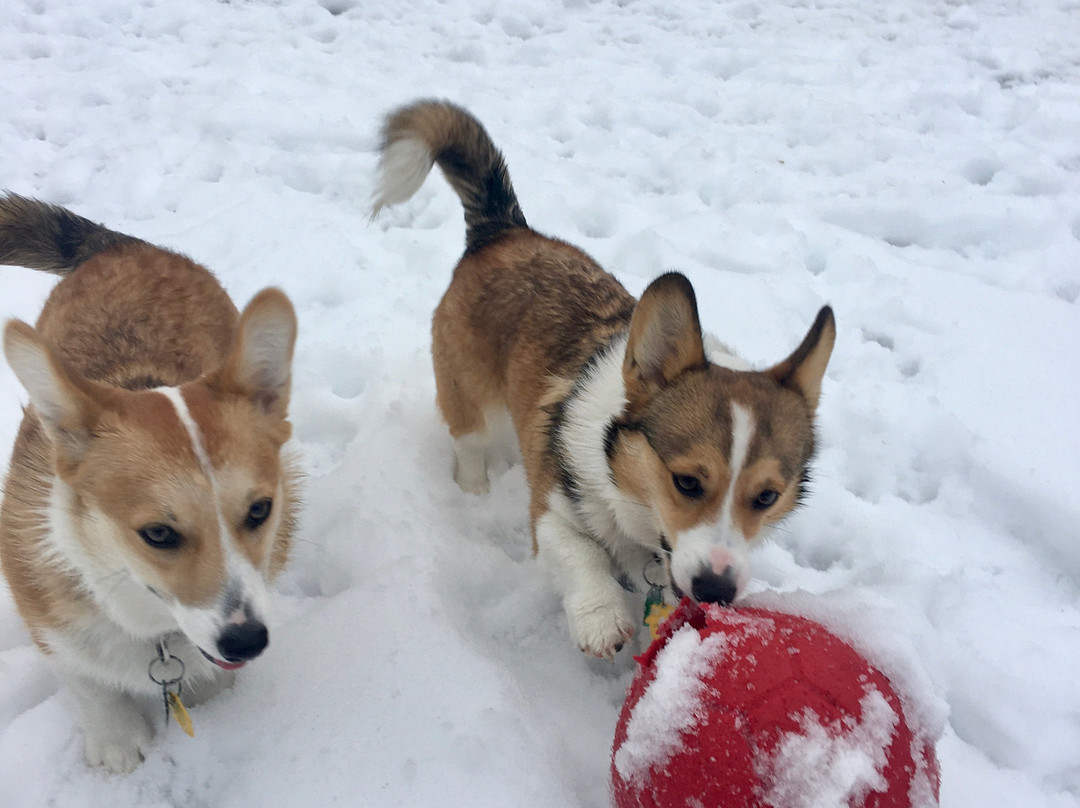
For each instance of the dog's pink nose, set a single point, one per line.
(720, 559)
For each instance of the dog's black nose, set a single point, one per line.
(708, 587)
(239, 643)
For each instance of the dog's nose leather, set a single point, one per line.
(708, 587)
(239, 643)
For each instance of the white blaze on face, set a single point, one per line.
(720, 545)
(244, 593)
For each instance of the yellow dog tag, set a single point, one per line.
(180, 714)
(656, 614)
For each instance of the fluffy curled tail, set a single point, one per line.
(48, 237)
(427, 132)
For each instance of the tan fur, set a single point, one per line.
(133, 317)
(138, 316)
(47, 596)
(664, 341)
(693, 442)
(247, 450)
(147, 501)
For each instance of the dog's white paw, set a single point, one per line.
(118, 746)
(600, 625)
(471, 480)
(470, 464)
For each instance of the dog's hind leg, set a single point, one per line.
(486, 452)
(469, 427)
(469, 398)
(470, 462)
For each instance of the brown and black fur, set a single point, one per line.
(515, 294)
(525, 324)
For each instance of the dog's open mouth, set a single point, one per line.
(224, 664)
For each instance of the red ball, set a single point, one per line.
(746, 708)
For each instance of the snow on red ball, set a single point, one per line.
(747, 708)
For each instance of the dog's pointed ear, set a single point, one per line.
(62, 400)
(260, 364)
(665, 337)
(805, 368)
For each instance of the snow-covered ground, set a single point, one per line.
(915, 163)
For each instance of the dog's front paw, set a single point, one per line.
(119, 746)
(600, 626)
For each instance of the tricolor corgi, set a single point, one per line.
(640, 436)
(148, 503)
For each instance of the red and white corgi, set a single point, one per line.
(640, 436)
(148, 504)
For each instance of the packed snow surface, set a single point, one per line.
(913, 163)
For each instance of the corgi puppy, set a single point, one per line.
(640, 436)
(148, 504)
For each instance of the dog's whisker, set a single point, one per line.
(312, 542)
(122, 575)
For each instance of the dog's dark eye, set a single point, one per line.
(258, 513)
(688, 486)
(765, 500)
(162, 537)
